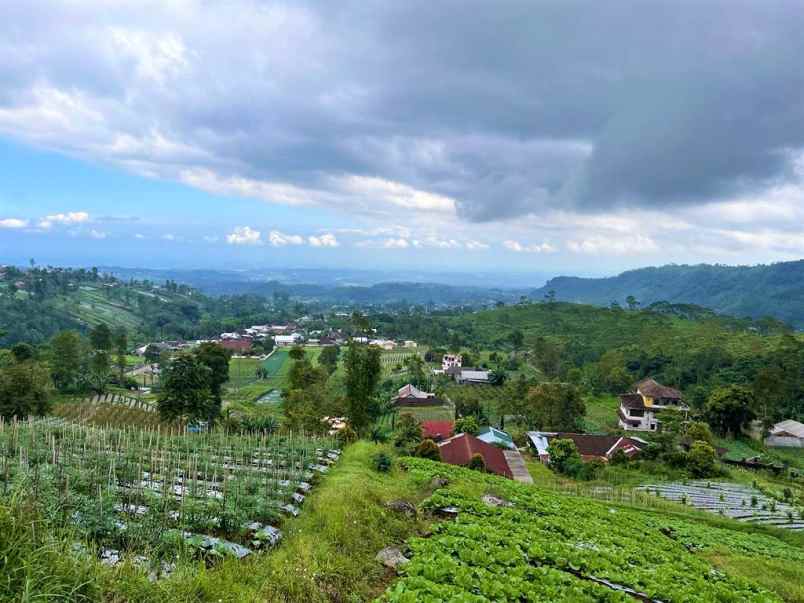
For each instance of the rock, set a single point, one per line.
(402, 506)
(438, 482)
(494, 501)
(391, 557)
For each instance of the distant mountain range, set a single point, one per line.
(775, 290)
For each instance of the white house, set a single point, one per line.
(638, 409)
(287, 340)
(385, 344)
(409, 343)
(450, 360)
(789, 434)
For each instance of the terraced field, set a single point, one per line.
(736, 501)
(155, 498)
(504, 541)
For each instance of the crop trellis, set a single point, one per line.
(156, 495)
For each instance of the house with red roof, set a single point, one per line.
(437, 430)
(590, 446)
(459, 450)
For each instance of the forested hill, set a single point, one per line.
(774, 290)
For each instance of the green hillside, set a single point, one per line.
(775, 290)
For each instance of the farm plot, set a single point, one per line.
(527, 544)
(152, 496)
(736, 501)
(391, 361)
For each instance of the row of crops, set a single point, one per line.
(153, 496)
(528, 544)
(736, 501)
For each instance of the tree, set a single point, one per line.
(467, 425)
(729, 409)
(701, 460)
(216, 358)
(564, 456)
(428, 449)
(120, 341)
(99, 370)
(66, 349)
(152, 353)
(23, 352)
(101, 337)
(408, 433)
(631, 302)
(328, 358)
(296, 352)
(416, 371)
(186, 392)
(363, 370)
(517, 339)
(554, 407)
(24, 390)
(698, 431)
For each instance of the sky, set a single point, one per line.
(548, 136)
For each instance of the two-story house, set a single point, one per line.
(638, 409)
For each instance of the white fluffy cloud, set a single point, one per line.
(69, 218)
(244, 235)
(280, 239)
(518, 247)
(324, 240)
(13, 223)
(97, 234)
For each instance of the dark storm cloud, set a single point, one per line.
(507, 107)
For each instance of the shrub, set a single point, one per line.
(382, 462)
(477, 463)
(467, 425)
(619, 457)
(408, 433)
(347, 435)
(564, 456)
(701, 459)
(428, 449)
(590, 470)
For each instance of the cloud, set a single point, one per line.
(169, 237)
(631, 244)
(324, 240)
(211, 238)
(73, 217)
(97, 234)
(280, 239)
(438, 135)
(528, 248)
(140, 236)
(13, 223)
(244, 235)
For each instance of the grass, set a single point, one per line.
(781, 577)
(601, 413)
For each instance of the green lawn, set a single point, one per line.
(601, 413)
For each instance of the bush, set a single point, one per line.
(590, 470)
(477, 463)
(347, 435)
(382, 462)
(619, 457)
(701, 460)
(428, 449)
(408, 433)
(467, 425)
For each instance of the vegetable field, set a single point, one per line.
(392, 360)
(736, 501)
(153, 497)
(527, 544)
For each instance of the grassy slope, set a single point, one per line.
(328, 552)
